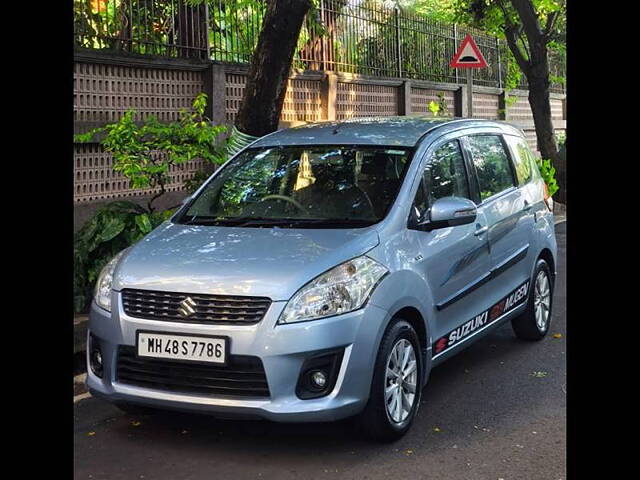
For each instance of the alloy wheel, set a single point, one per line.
(542, 300)
(401, 381)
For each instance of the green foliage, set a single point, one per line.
(235, 27)
(111, 24)
(513, 74)
(510, 100)
(557, 79)
(441, 10)
(492, 15)
(442, 104)
(439, 108)
(144, 152)
(548, 173)
(112, 228)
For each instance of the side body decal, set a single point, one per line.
(481, 321)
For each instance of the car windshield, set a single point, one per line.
(298, 186)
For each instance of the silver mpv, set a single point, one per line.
(324, 270)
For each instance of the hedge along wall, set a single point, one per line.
(107, 85)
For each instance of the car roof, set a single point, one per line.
(404, 131)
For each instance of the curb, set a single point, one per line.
(80, 323)
(559, 213)
(80, 387)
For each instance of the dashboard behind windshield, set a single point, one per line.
(315, 186)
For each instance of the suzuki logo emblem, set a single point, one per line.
(187, 307)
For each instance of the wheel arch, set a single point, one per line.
(414, 317)
(547, 256)
(417, 319)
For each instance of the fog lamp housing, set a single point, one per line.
(95, 357)
(319, 374)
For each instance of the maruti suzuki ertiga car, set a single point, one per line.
(324, 270)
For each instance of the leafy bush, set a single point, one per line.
(144, 152)
(113, 228)
(439, 107)
(548, 174)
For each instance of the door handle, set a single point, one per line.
(527, 206)
(480, 231)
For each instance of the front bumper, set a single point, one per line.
(282, 349)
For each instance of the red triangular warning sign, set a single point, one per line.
(468, 55)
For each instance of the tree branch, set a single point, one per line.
(507, 18)
(523, 41)
(512, 41)
(529, 18)
(156, 196)
(548, 29)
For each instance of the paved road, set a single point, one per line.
(485, 415)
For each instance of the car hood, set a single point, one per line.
(266, 262)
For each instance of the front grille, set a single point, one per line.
(243, 376)
(206, 309)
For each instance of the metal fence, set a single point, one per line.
(355, 36)
(169, 28)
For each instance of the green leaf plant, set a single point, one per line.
(144, 152)
(548, 173)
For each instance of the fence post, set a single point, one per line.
(398, 44)
(323, 54)
(404, 98)
(328, 96)
(455, 46)
(206, 31)
(502, 105)
(214, 87)
(460, 101)
(499, 64)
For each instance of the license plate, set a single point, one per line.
(182, 347)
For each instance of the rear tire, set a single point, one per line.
(533, 323)
(396, 387)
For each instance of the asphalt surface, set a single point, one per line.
(494, 411)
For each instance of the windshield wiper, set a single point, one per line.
(278, 222)
(307, 222)
(237, 221)
(201, 220)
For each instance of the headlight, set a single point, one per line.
(102, 293)
(340, 290)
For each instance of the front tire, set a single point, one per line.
(396, 387)
(534, 322)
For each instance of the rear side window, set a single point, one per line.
(523, 159)
(492, 164)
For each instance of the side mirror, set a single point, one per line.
(449, 212)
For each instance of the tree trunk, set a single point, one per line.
(266, 86)
(540, 102)
(536, 69)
